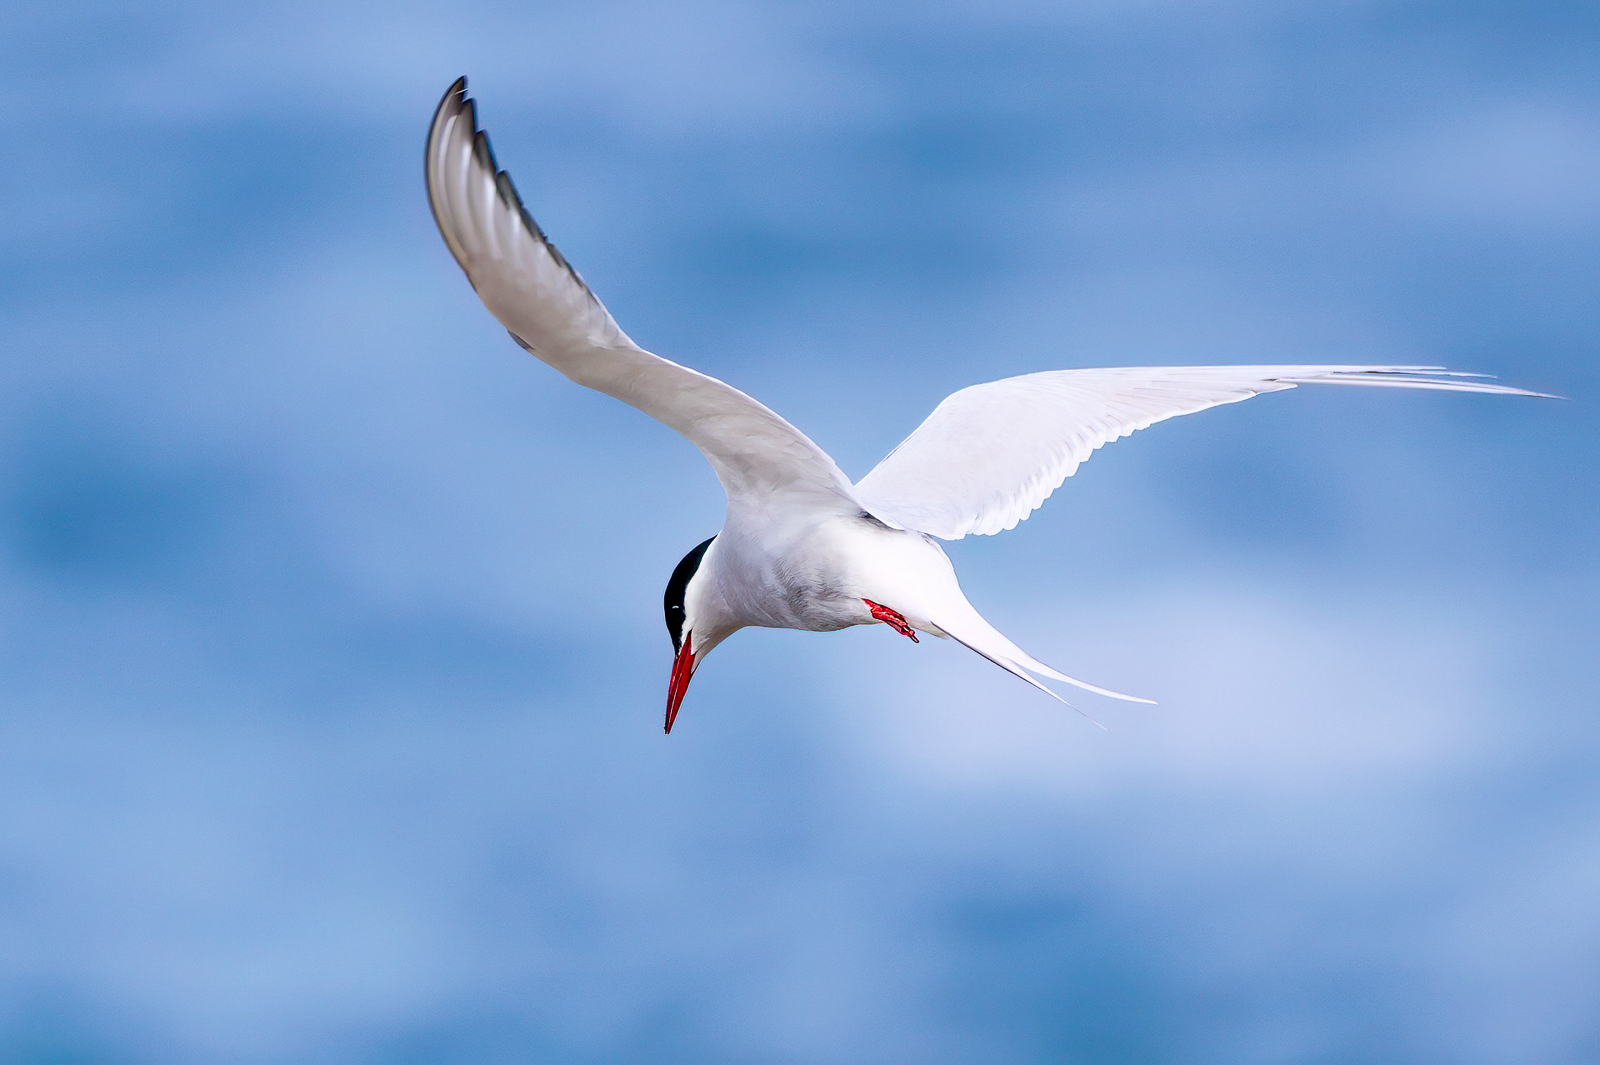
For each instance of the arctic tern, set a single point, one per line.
(801, 547)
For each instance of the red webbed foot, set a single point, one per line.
(892, 618)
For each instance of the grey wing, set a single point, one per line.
(536, 294)
(990, 455)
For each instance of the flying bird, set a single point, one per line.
(801, 546)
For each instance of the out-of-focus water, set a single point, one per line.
(331, 655)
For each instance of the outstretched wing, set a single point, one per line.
(989, 455)
(527, 284)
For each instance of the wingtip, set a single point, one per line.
(1488, 385)
(1423, 377)
(455, 97)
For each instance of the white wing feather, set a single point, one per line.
(527, 284)
(989, 455)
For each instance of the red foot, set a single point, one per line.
(892, 618)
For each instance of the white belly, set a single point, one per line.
(817, 577)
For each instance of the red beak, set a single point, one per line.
(682, 670)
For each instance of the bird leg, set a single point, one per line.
(892, 618)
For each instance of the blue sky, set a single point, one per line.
(331, 654)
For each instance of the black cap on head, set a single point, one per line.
(676, 587)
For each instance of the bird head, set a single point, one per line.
(693, 621)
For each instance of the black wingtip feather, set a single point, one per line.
(454, 98)
(456, 101)
(507, 193)
(481, 149)
(532, 224)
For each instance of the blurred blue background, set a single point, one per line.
(331, 654)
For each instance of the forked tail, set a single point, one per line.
(973, 632)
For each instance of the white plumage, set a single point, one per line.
(527, 284)
(801, 547)
(991, 454)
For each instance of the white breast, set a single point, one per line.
(816, 575)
